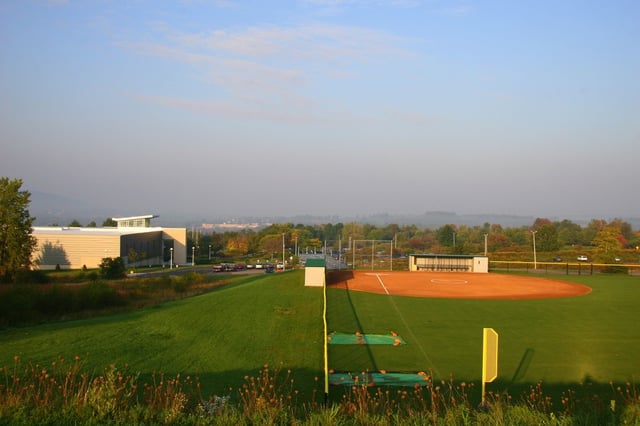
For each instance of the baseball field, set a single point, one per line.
(560, 331)
(563, 331)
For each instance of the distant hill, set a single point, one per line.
(56, 209)
(51, 209)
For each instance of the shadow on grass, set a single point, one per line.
(342, 313)
(523, 366)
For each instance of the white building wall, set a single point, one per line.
(314, 276)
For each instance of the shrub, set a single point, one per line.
(615, 269)
(18, 304)
(98, 295)
(57, 300)
(27, 276)
(112, 268)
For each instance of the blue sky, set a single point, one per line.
(224, 108)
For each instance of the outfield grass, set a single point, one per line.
(561, 342)
(219, 337)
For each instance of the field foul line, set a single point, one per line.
(404, 321)
(382, 284)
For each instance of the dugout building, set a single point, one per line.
(448, 263)
(76, 247)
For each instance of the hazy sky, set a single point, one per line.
(349, 107)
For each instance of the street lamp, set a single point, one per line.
(485, 244)
(193, 255)
(171, 258)
(209, 252)
(535, 261)
(283, 251)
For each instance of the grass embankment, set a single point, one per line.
(219, 337)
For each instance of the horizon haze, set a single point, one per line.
(330, 108)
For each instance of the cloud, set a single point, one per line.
(336, 3)
(56, 2)
(271, 67)
(457, 10)
(318, 43)
(216, 3)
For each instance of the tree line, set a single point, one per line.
(607, 241)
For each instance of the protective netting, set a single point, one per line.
(337, 338)
(380, 378)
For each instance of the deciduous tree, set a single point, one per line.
(547, 238)
(607, 244)
(109, 222)
(16, 240)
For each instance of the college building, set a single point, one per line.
(133, 239)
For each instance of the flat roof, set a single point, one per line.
(147, 216)
(314, 263)
(72, 230)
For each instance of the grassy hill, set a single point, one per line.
(219, 337)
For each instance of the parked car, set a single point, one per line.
(557, 259)
(582, 258)
(218, 268)
(269, 269)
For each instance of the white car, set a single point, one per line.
(582, 258)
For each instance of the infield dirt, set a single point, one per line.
(454, 285)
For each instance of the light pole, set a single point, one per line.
(535, 261)
(485, 244)
(283, 251)
(193, 255)
(171, 258)
(209, 252)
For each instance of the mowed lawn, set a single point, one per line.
(272, 319)
(219, 337)
(560, 342)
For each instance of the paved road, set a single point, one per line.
(185, 269)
